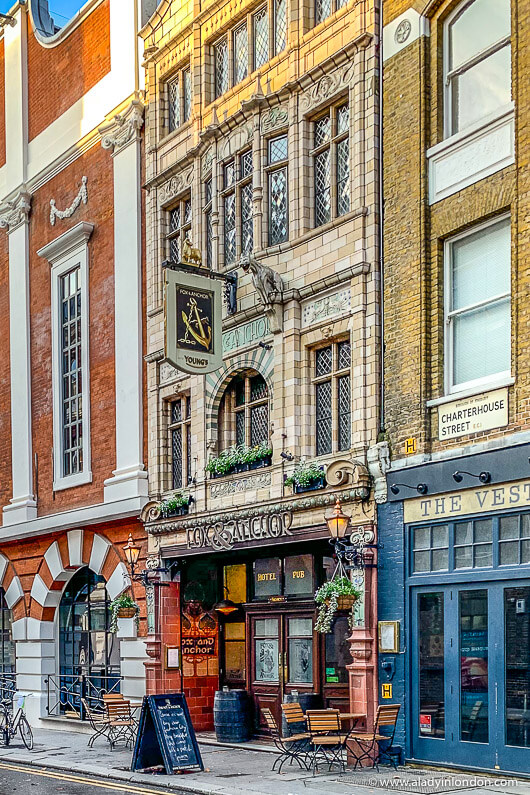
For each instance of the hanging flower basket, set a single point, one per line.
(337, 594)
(126, 612)
(346, 602)
(123, 607)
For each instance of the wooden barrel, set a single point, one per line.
(232, 716)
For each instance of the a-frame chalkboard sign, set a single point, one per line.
(166, 736)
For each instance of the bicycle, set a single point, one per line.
(9, 724)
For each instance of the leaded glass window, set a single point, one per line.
(332, 380)
(180, 442)
(322, 10)
(260, 27)
(238, 210)
(179, 99)
(244, 412)
(71, 373)
(208, 221)
(240, 53)
(186, 81)
(331, 157)
(173, 95)
(280, 25)
(221, 67)
(278, 205)
(179, 227)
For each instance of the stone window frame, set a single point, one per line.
(235, 188)
(184, 228)
(229, 37)
(180, 424)
(227, 414)
(268, 169)
(332, 144)
(448, 359)
(184, 113)
(447, 74)
(334, 376)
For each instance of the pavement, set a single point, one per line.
(241, 770)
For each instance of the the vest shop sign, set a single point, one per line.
(193, 341)
(473, 415)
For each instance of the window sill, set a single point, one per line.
(72, 481)
(472, 154)
(476, 390)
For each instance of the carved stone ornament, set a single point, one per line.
(402, 31)
(82, 196)
(274, 118)
(153, 562)
(378, 458)
(345, 471)
(175, 185)
(123, 128)
(167, 372)
(238, 139)
(150, 512)
(15, 212)
(328, 306)
(237, 485)
(207, 161)
(327, 87)
(269, 287)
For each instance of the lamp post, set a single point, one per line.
(358, 551)
(148, 575)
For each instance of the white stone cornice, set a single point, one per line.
(16, 212)
(123, 128)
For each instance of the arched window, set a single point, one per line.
(7, 650)
(89, 656)
(50, 16)
(477, 62)
(244, 412)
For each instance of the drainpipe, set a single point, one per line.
(381, 227)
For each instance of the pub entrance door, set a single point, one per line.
(283, 658)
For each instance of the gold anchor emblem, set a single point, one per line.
(193, 318)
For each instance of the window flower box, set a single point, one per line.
(240, 459)
(177, 505)
(307, 476)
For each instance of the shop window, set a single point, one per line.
(234, 652)
(237, 202)
(290, 576)
(514, 540)
(478, 320)
(244, 412)
(235, 581)
(473, 544)
(298, 573)
(278, 207)
(179, 218)
(267, 578)
(477, 62)
(331, 164)
(180, 442)
(332, 397)
(431, 548)
(337, 652)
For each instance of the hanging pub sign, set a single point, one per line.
(193, 341)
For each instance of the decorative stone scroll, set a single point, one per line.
(238, 485)
(123, 128)
(274, 118)
(175, 185)
(15, 212)
(82, 196)
(346, 471)
(327, 87)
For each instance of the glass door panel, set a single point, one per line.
(517, 666)
(431, 665)
(474, 682)
(300, 650)
(267, 649)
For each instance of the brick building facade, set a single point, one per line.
(262, 149)
(456, 378)
(72, 280)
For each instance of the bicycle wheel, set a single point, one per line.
(4, 727)
(25, 732)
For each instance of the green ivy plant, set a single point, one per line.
(177, 500)
(239, 454)
(305, 474)
(327, 598)
(122, 601)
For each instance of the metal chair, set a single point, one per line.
(291, 748)
(375, 745)
(99, 721)
(326, 738)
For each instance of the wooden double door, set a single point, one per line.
(284, 657)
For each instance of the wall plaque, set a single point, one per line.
(473, 415)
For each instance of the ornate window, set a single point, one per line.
(244, 412)
(221, 67)
(477, 62)
(260, 37)
(280, 25)
(208, 226)
(179, 218)
(179, 99)
(332, 385)
(180, 442)
(240, 53)
(331, 159)
(277, 189)
(237, 200)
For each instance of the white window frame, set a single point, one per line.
(447, 74)
(494, 378)
(64, 253)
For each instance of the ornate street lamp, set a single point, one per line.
(132, 555)
(357, 550)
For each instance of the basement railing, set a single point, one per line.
(64, 693)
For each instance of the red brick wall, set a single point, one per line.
(2, 105)
(64, 73)
(5, 391)
(96, 164)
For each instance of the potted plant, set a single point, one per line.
(240, 458)
(258, 456)
(337, 594)
(176, 505)
(307, 476)
(123, 606)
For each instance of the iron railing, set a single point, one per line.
(64, 692)
(8, 685)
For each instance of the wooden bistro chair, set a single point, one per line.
(291, 748)
(327, 740)
(121, 722)
(99, 720)
(376, 745)
(294, 714)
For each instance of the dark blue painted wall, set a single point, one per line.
(391, 604)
